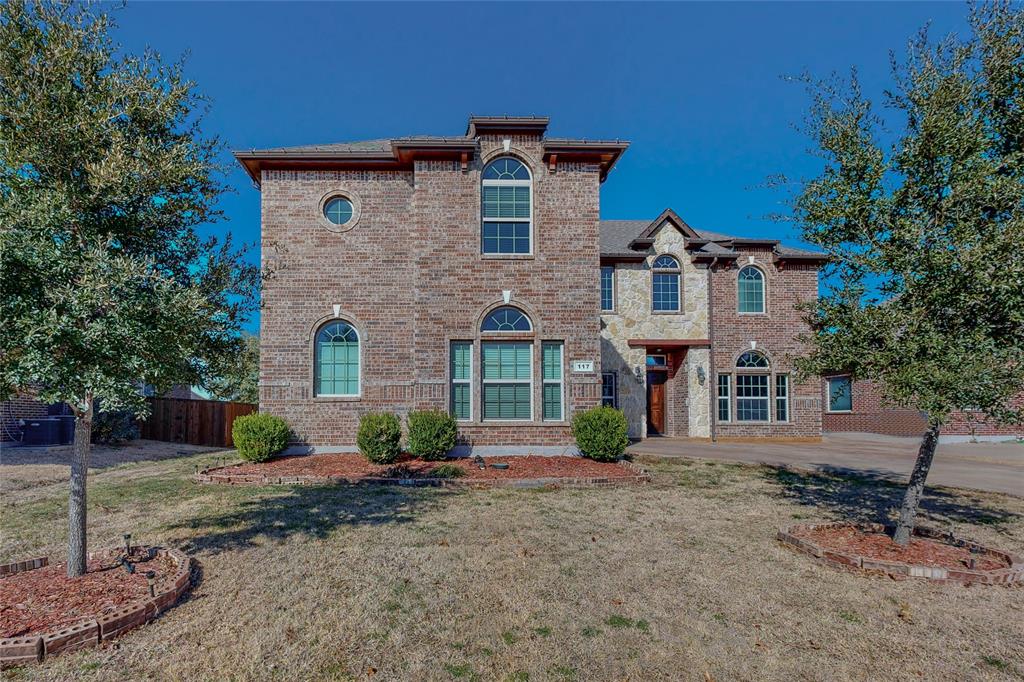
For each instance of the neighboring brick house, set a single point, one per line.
(860, 406)
(469, 273)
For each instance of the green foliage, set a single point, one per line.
(259, 436)
(114, 427)
(601, 433)
(379, 437)
(922, 216)
(431, 434)
(448, 470)
(104, 177)
(239, 378)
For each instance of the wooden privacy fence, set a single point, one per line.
(196, 422)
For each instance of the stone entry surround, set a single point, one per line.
(688, 401)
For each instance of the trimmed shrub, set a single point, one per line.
(114, 427)
(431, 434)
(600, 433)
(259, 436)
(380, 437)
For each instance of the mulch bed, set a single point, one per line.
(919, 551)
(45, 599)
(355, 466)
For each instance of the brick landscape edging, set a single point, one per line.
(1012, 574)
(15, 651)
(639, 477)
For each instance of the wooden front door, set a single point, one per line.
(656, 403)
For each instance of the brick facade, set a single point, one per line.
(774, 333)
(870, 414)
(410, 277)
(21, 406)
(408, 273)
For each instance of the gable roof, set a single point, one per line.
(634, 239)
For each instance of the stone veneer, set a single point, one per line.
(687, 400)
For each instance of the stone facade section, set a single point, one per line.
(633, 318)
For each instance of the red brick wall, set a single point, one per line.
(411, 278)
(775, 334)
(23, 406)
(870, 415)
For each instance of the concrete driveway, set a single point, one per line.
(995, 467)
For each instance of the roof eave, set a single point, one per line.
(605, 154)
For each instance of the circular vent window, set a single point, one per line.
(338, 211)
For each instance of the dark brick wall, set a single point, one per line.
(775, 334)
(411, 278)
(23, 406)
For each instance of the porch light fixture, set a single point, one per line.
(639, 374)
(701, 374)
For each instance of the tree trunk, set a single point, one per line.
(76, 502)
(912, 498)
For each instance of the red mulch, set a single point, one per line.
(351, 465)
(45, 599)
(881, 547)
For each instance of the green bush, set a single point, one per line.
(600, 433)
(431, 434)
(259, 436)
(448, 470)
(380, 437)
(114, 427)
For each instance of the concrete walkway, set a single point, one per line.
(995, 467)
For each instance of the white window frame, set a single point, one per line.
(615, 388)
(677, 274)
(727, 397)
(612, 268)
(560, 383)
(768, 398)
(507, 381)
(468, 381)
(316, 364)
(764, 291)
(828, 394)
(785, 398)
(506, 183)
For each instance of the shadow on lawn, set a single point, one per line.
(872, 496)
(313, 511)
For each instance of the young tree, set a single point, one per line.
(104, 177)
(240, 381)
(924, 222)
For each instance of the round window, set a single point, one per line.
(338, 210)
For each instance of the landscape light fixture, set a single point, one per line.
(127, 544)
(151, 581)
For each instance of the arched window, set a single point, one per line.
(751, 290)
(752, 387)
(506, 319)
(752, 360)
(337, 360)
(505, 203)
(665, 284)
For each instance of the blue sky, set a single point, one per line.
(696, 88)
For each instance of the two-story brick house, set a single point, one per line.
(473, 274)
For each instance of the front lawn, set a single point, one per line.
(673, 580)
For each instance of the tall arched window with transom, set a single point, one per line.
(750, 290)
(336, 365)
(506, 203)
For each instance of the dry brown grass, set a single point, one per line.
(681, 579)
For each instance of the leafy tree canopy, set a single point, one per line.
(105, 176)
(926, 231)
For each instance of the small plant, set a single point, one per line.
(617, 621)
(601, 433)
(448, 470)
(431, 434)
(259, 436)
(997, 663)
(590, 631)
(379, 437)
